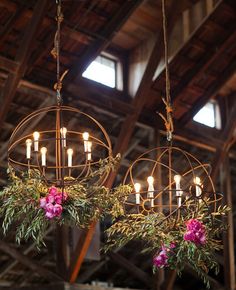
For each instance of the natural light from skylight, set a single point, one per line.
(102, 70)
(206, 115)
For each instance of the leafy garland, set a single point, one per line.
(191, 240)
(31, 206)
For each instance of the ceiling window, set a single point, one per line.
(209, 115)
(102, 70)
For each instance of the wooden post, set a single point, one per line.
(229, 258)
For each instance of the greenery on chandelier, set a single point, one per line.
(190, 240)
(30, 205)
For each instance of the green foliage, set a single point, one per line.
(20, 203)
(156, 230)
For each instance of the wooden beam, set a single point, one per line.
(26, 261)
(211, 91)
(169, 280)
(22, 57)
(106, 34)
(229, 254)
(226, 137)
(8, 65)
(131, 268)
(80, 252)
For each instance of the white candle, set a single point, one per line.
(197, 181)
(63, 136)
(70, 153)
(85, 137)
(43, 155)
(36, 141)
(137, 187)
(89, 150)
(150, 181)
(179, 192)
(28, 143)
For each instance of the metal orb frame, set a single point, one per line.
(59, 170)
(169, 198)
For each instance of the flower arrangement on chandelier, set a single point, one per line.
(191, 240)
(31, 205)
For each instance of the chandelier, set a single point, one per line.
(68, 146)
(173, 209)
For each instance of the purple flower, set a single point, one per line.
(43, 202)
(195, 232)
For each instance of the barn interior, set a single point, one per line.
(125, 37)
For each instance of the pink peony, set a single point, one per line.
(50, 198)
(196, 232)
(59, 198)
(53, 190)
(43, 202)
(57, 209)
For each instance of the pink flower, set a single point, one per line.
(50, 198)
(53, 190)
(43, 202)
(57, 209)
(49, 215)
(59, 198)
(196, 232)
(49, 208)
(161, 260)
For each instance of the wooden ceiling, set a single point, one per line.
(202, 67)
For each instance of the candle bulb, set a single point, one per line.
(89, 156)
(43, 156)
(198, 184)
(85, 137)
(70, 153)
(36, 141)
(63, 136)
(179, 192)
(28, 143)
(150, 181)
(137, 187)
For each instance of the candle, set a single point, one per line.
(63, 136)
(36, 141)
(198, 184)
(137, 187)
(70, 153)
(89, 150)
(85, 137)
(179, 192)
(150, 181)
(43, 155)
(28, 143)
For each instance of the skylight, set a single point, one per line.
(207, 115)
(102, 70)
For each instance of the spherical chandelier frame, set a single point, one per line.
(63, 170)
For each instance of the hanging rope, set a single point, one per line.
(56, 53)
(168, 120)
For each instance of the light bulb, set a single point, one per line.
(43, 155)
(137, 187)
(63, 135)
(85, 136)
(36, 136)
(28, 143)
(69, 153)
(177, 178)
(150, 180)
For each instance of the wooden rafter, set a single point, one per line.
(106, 36)
(26, 261)
(22, 58)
